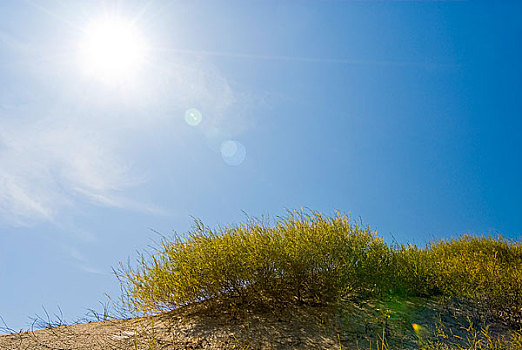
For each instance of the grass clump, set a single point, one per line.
(303, 257)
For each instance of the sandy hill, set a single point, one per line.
(351, 324)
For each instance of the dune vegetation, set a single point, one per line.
(309, 259)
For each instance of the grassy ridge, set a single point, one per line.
(306, 257)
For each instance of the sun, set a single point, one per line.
(112, 49)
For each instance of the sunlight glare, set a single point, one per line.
(112, 50)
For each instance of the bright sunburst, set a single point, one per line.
(112, 50)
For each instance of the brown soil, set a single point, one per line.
(351, 325)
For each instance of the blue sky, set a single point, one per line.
(405, 113)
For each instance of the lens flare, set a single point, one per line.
(420, 331)
(193, 117)
(233, 152)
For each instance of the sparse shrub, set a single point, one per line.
(486, 269)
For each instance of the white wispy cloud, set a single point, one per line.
(45, 166)
(55, 156)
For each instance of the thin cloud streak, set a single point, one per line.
(82, 263)
(11, 42)
(311, 59)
